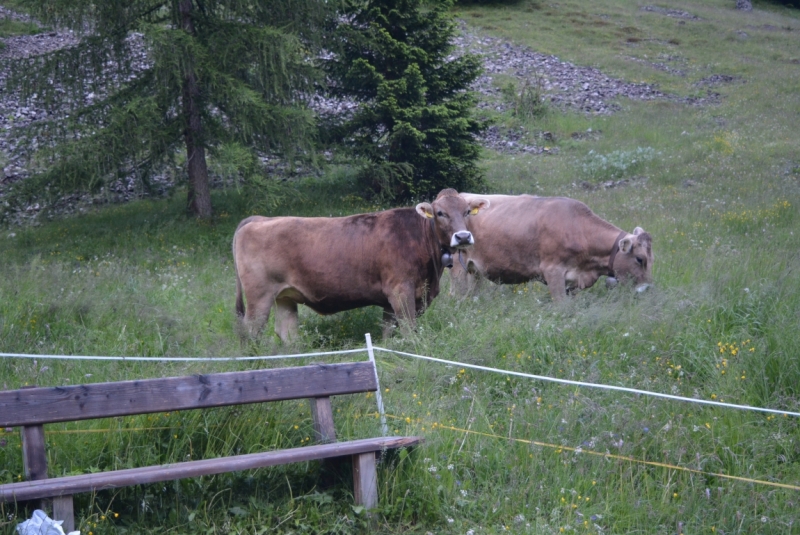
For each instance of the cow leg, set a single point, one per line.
(556, 282)
(256, 315)
(389, 323)
(286, 319)
(404, 306)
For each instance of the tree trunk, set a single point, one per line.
(199, 195)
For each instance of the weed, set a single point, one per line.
(616, 164)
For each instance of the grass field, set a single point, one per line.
(720, 197)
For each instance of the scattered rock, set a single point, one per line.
(607, 184)
(674, 13)
(718, 79)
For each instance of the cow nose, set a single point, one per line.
(461, 239)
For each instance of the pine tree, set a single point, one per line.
(415, 124)
(223, 77)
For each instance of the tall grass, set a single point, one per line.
(720, 199)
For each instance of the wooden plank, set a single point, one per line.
(322, 414)
(365, 480)
(34, 454)
(28, 490)
(63, 510)
(100, 400)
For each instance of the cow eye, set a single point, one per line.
(440, 213)
(640, 261)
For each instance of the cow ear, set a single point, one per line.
(625, 245)
(425, 210)
(477, 205)
(637, 231)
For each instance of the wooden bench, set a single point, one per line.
(32, 408)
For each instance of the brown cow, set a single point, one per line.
(555, 240)
(393, 259)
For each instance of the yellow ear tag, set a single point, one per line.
(429, 215)
(474, 211)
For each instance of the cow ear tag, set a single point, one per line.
(481, 204)
(425, 210)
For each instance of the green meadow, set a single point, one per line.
(719, 191)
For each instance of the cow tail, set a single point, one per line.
(240, 309)
(239, 299)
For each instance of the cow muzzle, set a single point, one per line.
(643, 287)
(461, 239)
(612, 282)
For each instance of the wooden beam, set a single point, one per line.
(322, 414)
(63, 510)
(31, 406)
(34, 454)
(365, 480)
(61, 486)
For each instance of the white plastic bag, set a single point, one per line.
(41, 524)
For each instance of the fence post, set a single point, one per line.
(377, 382)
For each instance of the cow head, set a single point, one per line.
(449, 214)
(635, 259)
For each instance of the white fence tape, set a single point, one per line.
(590, 385)
(422, 357)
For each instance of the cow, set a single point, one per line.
(393, 259)
(555, 240)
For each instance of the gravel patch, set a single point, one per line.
(566, 86)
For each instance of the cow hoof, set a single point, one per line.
(611, 282)
(643, 288)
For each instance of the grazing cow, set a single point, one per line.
(555, 240)
(393, 259)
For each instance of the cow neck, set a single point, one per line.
(614, 251)
(437, 258)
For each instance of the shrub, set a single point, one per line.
(415, 123)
